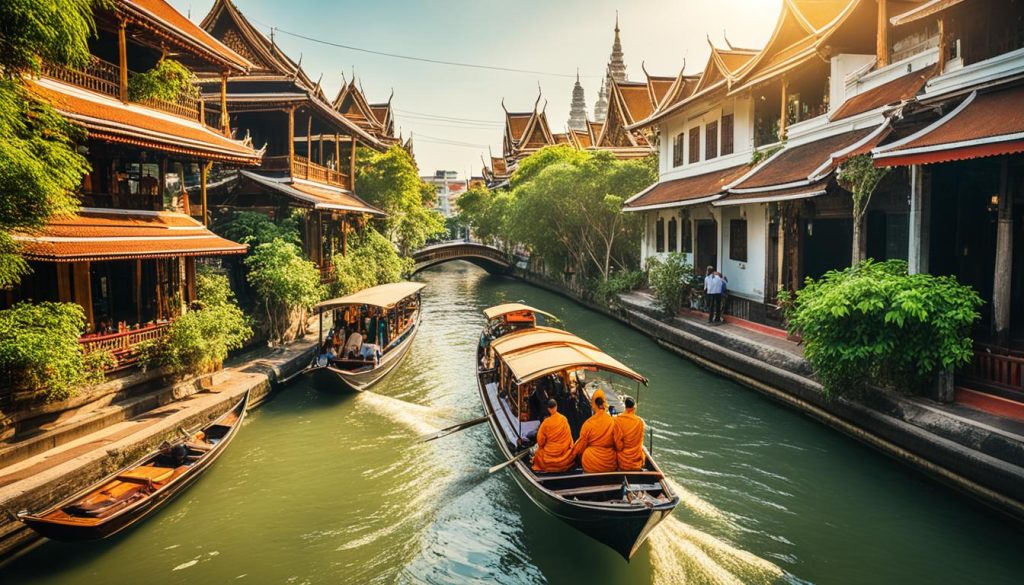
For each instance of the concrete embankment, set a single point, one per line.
(972, 451)
(40, 480)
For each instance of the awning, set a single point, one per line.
(529, 364)
(686, 191)
(499, 310)
(890, 93)
(987, 124)
(799, 172)
(384, 296)
(107, 118)
(923, 11)
(318, 197)
(535, 337)
(113, 234)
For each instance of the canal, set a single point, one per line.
(332, 488)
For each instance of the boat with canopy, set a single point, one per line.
(516, 356)
(371, 331)
(132, 493)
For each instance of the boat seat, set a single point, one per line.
(594, 489)
(146, 474)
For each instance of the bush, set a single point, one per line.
(167, 80)
(199, 341)
(254, 228)
(874, 323)
(672, 280)
(618, 283)
(371, 260)
(40, 353)
(286, 283)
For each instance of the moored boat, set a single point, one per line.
(372, 330)
(515, 355)
(129, 495)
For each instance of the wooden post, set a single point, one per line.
(783, 118)
(190, 279)
(882, 47)
(309, 141)
(320, 145)
(64, 282)
(344, 235)
(1001, 288)
(337, 156)
(352, 168)
(138, 291)
(291, 140)
(225, 121)
(82, 282)
(122, 58)
(943, 49)
(202, 111)
(204, 169)
(159, 264)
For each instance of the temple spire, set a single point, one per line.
(578, 108)
(616, 71)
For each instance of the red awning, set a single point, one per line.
(686, 191)
(986, 124)
(115, 234)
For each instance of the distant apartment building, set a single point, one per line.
(448, 187)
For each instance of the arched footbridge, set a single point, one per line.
(487, 257)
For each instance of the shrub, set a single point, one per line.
(874, 323)
(254, 228)
(672, 280)
(199, 340)
(371, 260)
(167, 80)
(40, 353)
(286, 284)
(620, 282)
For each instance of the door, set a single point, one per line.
(707, 246)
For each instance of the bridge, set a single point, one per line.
(487, 257)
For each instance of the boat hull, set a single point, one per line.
(328, 377)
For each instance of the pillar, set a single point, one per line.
(138, 291)
(783, 118)
(919, 243)
(82, 280)
(352, 167)
(1004, 258)
(882, 36)
(190, 279)
(122, 58)
(225, 122)
(309, 141)
(291, 139)
(204, 169)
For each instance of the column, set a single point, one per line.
(225, 122)
(917, 246)
(882, 47)
(291, 139)
(83, 290)
(1004, 258)
(204, 169)
(122, 58)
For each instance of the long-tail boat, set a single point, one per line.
(372, 330)
(619, 508)
(129, 495)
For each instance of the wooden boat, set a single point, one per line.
(398, 303)
(129, 495)
(618, 509)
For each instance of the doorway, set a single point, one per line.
(707, 245)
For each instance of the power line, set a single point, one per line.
(418, 136)
(440, 117)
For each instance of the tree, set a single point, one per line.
(39, 166)
(390, 181)
(287, 284)
(371, 260)
(860, 177)
(255, 228)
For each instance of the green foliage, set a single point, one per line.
(287, 284)
(56, 31)
(390, 181)
(759, 156)
(371, 260)
(620, 282)
(874, 323)
(672, 280)
(40, 353)
(486, 213)
(254, 228)
(199, 341)
(860, 177)
(167, 80)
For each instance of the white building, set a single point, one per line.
(448, 187)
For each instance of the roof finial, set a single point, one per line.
(503, 105)
(643, 67)
(616, 21)
(727, 43)
(577, 75)
(272, 37)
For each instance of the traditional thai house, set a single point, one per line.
(495, 174)
(310, 158)
(525, 134)
(630, 102)
(375, 119)
(128, 256)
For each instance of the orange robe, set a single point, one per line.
(554, 445)
(629, 440)
(597, 443)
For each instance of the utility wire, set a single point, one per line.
(452, 118)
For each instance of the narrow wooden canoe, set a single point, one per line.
(619, 508)
(129, 495)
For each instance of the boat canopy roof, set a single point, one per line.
(532, 353)
(499, 310)
(382, 295)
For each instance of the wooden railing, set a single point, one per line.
(998, 369)
(185, 106)
(303, 168)
(124, 345)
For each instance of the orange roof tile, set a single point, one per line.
(812, 189)
(318, 197)
(109, 119)
(517, 124)
(113, 234)
(165, 15)
(893, 92)
(637, 101)
(686, 191)
(987, 124)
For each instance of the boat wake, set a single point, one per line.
(683, 554)
(698, 505)
(416, 417)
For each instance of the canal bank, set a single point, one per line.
(79, 458)
(975, 452)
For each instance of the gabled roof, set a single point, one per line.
(629, 102)
(692, 190)
(893, 92)
(352, 103)
(526, 130)
(173, 25)
(324, 198)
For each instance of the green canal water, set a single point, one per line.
(332, 488)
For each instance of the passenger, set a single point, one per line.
(554, 442)
(597, 442)
(538, 400)
(629, 438)
(352, 346)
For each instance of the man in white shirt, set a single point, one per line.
(714, 289)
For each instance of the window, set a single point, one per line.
(711, 140)
(659, 235)
(677, 149)
(694, 145)
(727, 135)
(738, 240)
(687, 236)
(673, 237)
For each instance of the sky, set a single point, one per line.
(454, 113)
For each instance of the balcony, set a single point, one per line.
(105, 78)
(301, 167)
(124, 345)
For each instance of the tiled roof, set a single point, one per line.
(112, 234)
(160, 12)
(582, 137)
(110, 119)
(636, 99)
(925, 10)
(893, 92)
(561, 138)
(987, 124)
(317, 197)
(686, 191)
(499, 165)
(517, 124)
(813, 189)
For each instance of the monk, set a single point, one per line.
(629, 438)
(597, 443)
(554, 442)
